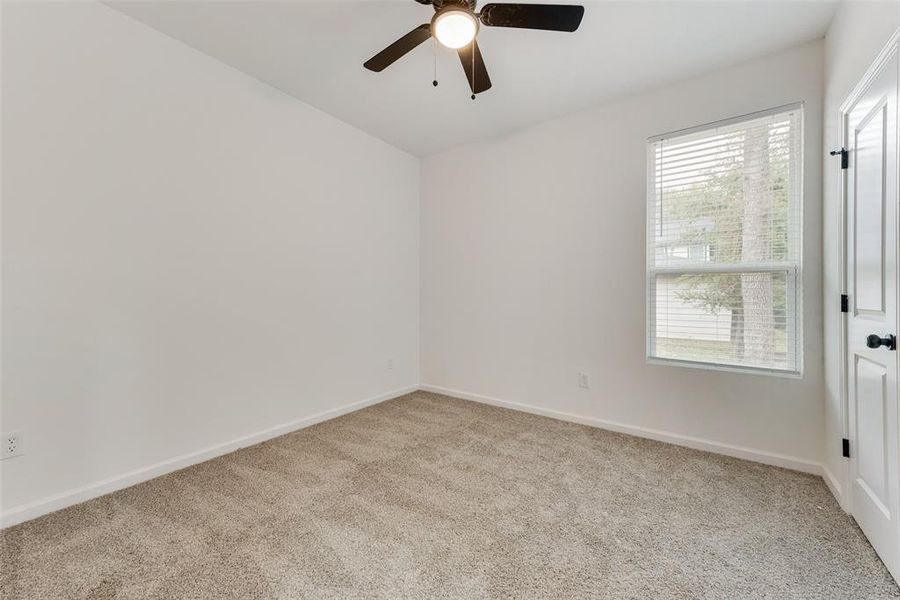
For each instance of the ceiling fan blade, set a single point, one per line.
(551, 17)
(482, 81)
(399, 48)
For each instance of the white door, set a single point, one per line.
(871, 138)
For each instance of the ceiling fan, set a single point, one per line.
(455, 25)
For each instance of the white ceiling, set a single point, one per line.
(314, 51)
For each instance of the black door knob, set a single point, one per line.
(876, 341)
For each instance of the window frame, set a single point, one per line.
(793, 269)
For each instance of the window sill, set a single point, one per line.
(690, 364)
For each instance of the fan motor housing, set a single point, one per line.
(467, 4)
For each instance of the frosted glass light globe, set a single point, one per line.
(455, 28)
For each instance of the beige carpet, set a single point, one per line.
(431, 497)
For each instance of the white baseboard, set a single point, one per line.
(760, 456)
(26, 512)
(834, 485)
(837, 482)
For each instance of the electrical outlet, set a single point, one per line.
(390, 363)
(12, 444)
(584, 380)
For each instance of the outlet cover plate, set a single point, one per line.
(12, 445)
(584, 380)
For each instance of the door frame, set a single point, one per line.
(892, 47)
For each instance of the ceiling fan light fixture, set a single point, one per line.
(455, 24)
(455, 27)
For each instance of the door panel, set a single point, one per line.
(872, 199)
(871, 448)
(870, 140)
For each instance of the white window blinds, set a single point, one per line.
(724, 243)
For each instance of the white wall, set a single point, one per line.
(856, 36)
(533, 263)
(189, 256)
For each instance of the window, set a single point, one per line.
(724, 244)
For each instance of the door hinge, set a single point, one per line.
(845, 448)
(845, 303)
(845, 156)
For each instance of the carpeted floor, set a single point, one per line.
(432, 497)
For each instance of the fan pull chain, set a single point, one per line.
(434, 51)
(473, 68)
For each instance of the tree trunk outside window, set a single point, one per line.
(756, 288)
